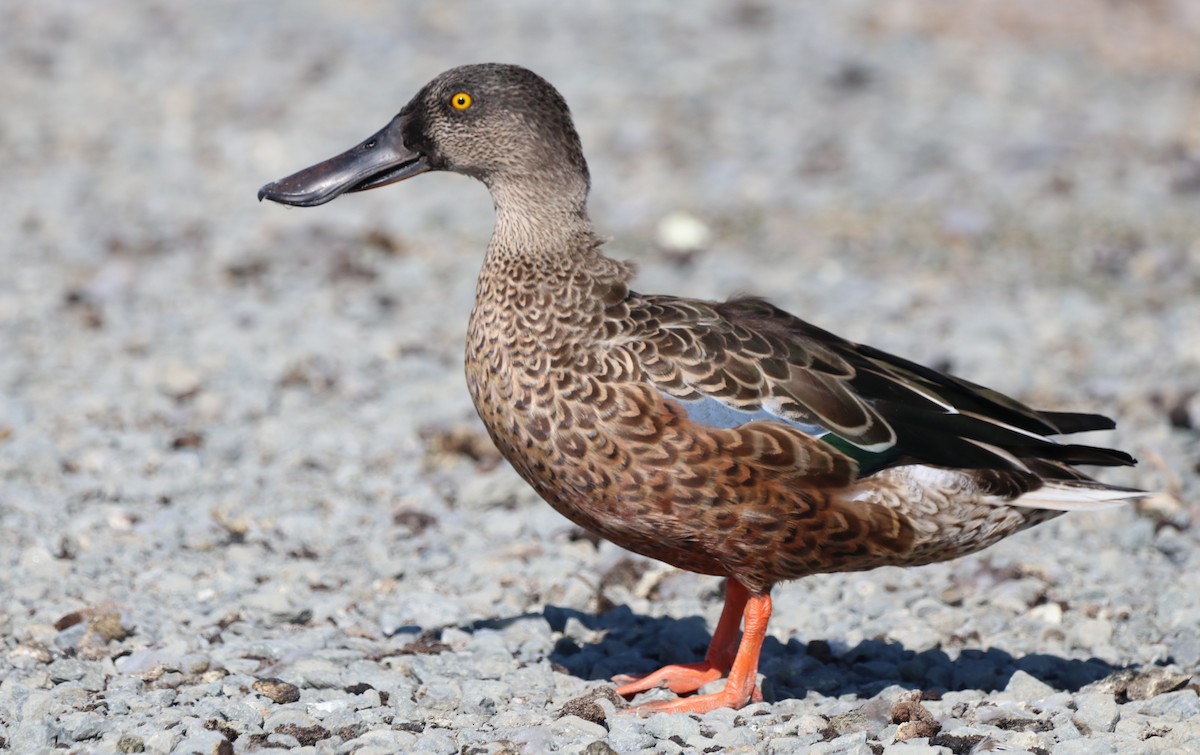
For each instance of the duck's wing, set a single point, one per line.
(744, 360)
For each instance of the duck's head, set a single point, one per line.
(502, 124)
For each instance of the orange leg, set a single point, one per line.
(725, 656)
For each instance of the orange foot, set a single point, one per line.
(679, 678)
(725, 656)
(733, 696)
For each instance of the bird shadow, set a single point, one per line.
(621, 641)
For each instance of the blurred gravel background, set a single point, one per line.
(245, 502)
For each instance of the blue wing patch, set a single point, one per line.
(715, 413)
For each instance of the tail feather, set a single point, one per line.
(1076, 422)
(1072, 495)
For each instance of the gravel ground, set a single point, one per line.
(245, 502)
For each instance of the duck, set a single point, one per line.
(730, 438)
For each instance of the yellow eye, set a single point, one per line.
(461, 101)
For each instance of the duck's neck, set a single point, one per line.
(544, 258)
(542, 227)
(539, 213)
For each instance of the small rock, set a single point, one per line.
(790, 745)
(908, 709)
(325, 707)
(587, 707)
(1089, 746)
(1028, 741)
(163, 741)
(437, 742)
(441, 696)
(178, 380)
(811, 723)
(963, 739)
(682, 232)
(372, 698)
(130, 743)
(917, 730)
(738, 738)
(305, 735)
(847, 744)
(1097, 711)
(1182, 705)
(81, 725)
(66, 670)
(1142, 685)
(288, 719)
(317, 673)
(1048, 613)
(1136, 725)
(1026, 688)
(669, 725)
(107, 627)
(145, 664)
(1093, 633)
(1185, 643)
(484, 695)
(1059, 701)
(384, 741)
(205, 742)
(27, 656)
(853, 721)
(575, 727)
(38, 705)
(31, 737)
(627, 733)
(277, 690)
(915, 719)
(66, 621)
(912, 748)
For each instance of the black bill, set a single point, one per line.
(378, 161)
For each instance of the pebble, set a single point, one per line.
(848, 744)
(573, 726)
(789, 745)
(484, 695)
(79, 726)
(316, 673)
(384, 741)
(626, 734)
(736, 738)
(1094, 632)
(30, 737)
(1183, 705)
(436, 742)
(163, 741)
(1086, 747)
(1153, 682)
(277, 690)
(178, 380)
(441, 696)
(289, 718)
(1098, 711)
(665, 726)
(205, 742)
(912, 748)
(1026, 688)
(683, 232)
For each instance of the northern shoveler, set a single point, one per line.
(724, 438)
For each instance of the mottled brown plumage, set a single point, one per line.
(729, 438)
